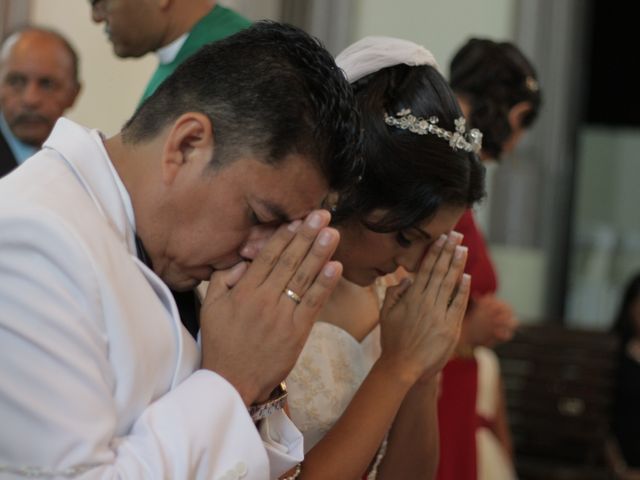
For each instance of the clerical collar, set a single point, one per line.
(168, 53)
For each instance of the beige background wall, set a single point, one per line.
(440, 25)
(111, 87)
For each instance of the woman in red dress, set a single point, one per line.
(498, 91)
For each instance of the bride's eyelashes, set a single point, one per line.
(402, 239)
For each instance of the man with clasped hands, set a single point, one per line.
(99, 377)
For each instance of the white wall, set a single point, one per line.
(439, 25)
(255, 10)
(111, 86)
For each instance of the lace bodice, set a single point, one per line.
(326, 376)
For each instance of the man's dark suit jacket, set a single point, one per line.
(7, 160)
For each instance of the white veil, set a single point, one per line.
(371, 54)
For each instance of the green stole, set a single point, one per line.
(216, 25)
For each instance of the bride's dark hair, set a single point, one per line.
(409, 176)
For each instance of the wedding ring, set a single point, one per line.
(292, 295)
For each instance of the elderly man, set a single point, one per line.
(100, 378)
(174, 29)
(38, 83)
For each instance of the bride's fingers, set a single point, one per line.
(442, 269)
(460, 299)
(424, 272)
(452, 277)
(393, 295)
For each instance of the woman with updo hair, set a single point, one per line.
(498, 91)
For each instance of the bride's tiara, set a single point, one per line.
(459, 140)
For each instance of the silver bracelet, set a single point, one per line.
(275, 402)
(295, 474)
(373, 473)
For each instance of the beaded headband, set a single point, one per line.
(459, 140)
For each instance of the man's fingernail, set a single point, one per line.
(330, 270)
(324, 238)
(238, 266)
(314, 220)
(293, 226)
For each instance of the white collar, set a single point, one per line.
(122, 190)
(168, 53)
(84, 151)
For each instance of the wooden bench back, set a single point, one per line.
(559, 389)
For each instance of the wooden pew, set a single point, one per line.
(559, 390)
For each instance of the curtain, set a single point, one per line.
(13, 13)
(329, 20)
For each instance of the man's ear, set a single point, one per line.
(188, 142)
(517, 113)
(72, 95)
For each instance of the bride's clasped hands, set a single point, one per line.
(421, 318)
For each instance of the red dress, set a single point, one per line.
(479, 265)
(457, 417)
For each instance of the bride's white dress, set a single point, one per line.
(328, 372)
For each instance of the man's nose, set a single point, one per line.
(32, 94)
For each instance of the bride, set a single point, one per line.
(363, 391)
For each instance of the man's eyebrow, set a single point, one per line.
(276, 211)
